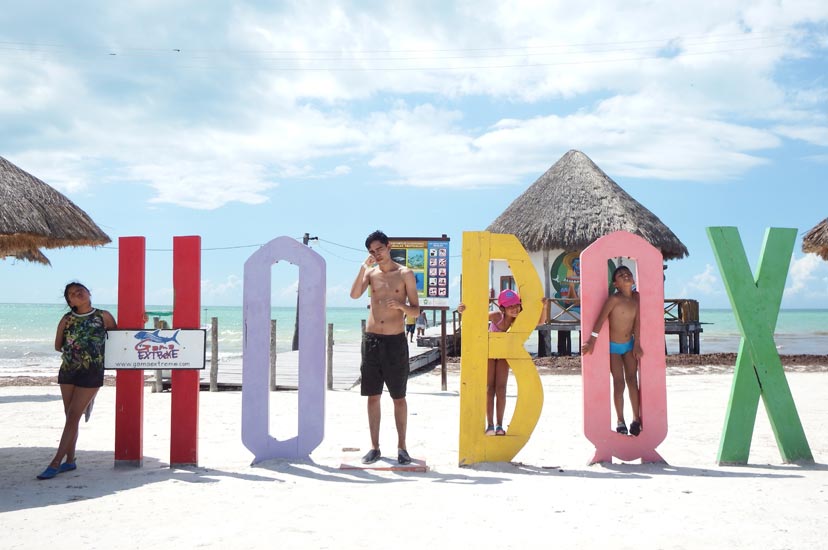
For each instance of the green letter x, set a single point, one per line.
(758, 368)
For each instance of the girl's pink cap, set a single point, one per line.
(508, 298)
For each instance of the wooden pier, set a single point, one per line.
(688, 333)
(681, 318)
(346, 362)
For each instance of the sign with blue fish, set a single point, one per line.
(178, 349)
(155, 336)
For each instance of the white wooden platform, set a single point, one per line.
(346, 361)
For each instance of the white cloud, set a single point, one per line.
(159, 295)
(285, 93)
(706, 283)
(286, 293)
(338, 295)
(213, 292)
(807, 277)
(816, 135)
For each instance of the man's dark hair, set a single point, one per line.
(376, 236)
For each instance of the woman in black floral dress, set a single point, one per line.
(81, 336)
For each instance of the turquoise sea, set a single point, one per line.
(27, 332)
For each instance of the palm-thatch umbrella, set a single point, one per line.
(33, 215)
(573, 204)
(816, 240)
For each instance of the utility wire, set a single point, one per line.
(203, 249)
(236, 247)
(345, 61)
(619, 45)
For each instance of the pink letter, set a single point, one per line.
(595, 366)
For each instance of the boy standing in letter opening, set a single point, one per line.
(384, 346)
(625, 348)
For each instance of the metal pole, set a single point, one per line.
(443, 349)
(158, 387)
(330, 355)
(273, 355)
(295, 345)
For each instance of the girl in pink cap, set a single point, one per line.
(509, 306)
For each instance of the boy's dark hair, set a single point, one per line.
(618, 270)
(376, 236)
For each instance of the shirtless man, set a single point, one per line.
(625, 347)
(384, 347)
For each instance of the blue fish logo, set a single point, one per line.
(157, 338)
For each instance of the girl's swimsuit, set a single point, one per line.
(84, 337)
(494, 327)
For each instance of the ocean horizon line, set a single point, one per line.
(160, 306)
(203, 307)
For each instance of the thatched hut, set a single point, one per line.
(33, 215)
(564, 211)
(816, 240)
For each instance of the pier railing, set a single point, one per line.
(568, 310)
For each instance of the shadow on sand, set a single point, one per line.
(95, 477)
(312, 470)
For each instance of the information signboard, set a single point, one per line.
(428, 258)
(178, 349)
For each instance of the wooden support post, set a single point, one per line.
(129, 384)
(214, 354)
(544, 340)
(158, 385)
(564, 342)
(696, 337)
(443, 375)
(330, 355)
(273, 355)
(185, 383)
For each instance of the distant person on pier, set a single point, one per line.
(410, 321)
(422, 323)
(384, 346)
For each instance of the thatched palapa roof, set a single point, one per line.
(573, 204)
(816, 240)
(33, 215)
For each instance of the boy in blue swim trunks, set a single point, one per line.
(621, 308)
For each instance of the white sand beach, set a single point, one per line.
(547, 498)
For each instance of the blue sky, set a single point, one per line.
(245, 121)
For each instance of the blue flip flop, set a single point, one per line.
(67, 467)
(48, 473)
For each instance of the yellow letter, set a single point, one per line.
(478, 345)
